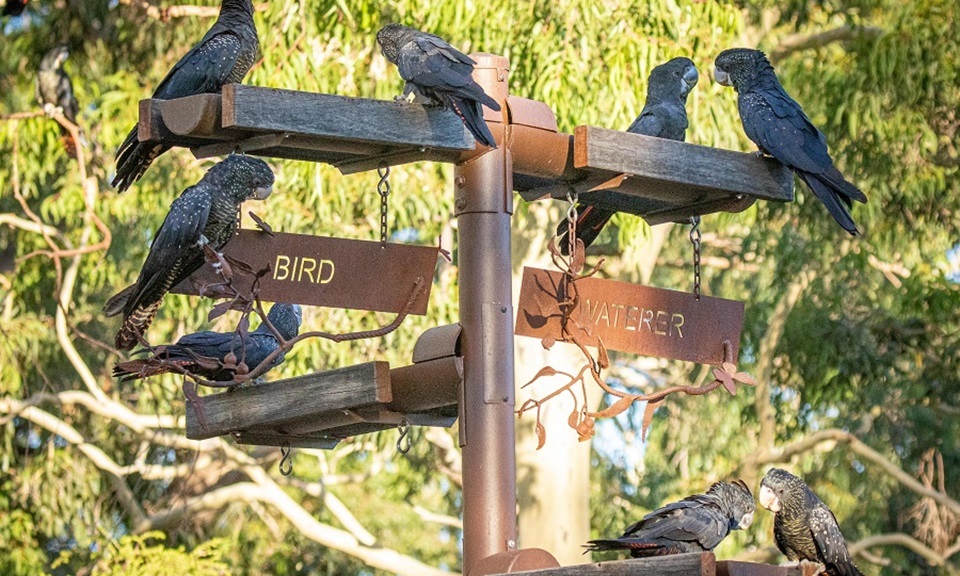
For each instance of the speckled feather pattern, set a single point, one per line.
(224, 55)
(55, 88)
(208, 208)
(804, 528)
(779, 127)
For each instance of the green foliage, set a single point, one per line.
(136, 556)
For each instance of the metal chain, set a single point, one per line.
(404, 442)
(572, 216)
(383, 188)
(695, 237)
(286, 461)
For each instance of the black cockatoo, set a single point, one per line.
(204, 214)
(224, 56)
(13, 7)
(211, 354)
(438, 72)
(804, 528)
(778, 126)
(54, 90)
(664, 115)
(695, 524)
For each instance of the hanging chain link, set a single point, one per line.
(695, 237)
(383, 188)
(572, 217)
(404, 442)
(286, 461)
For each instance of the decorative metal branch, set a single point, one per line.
(581, 418)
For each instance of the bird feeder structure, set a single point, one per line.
(464, 371)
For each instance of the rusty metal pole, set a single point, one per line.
(484, 205)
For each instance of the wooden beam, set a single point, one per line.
(353, 134)
(681, 168)
(268, 408)
(733, 568)
(377, 122)
(315, 441)
(703, 564)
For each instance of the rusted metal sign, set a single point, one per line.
(631, 318)
(323, 271)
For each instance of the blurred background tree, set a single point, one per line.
(855, 342)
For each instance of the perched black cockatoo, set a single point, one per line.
(695, 524)
(204, 214)
(54, 90)
(224, 56)
(438, 72)
(212, 354)
(664, 115)
(14, 7)
(804, 528)
(778, 126)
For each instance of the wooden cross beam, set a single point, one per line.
(353, 134)
(702, 564)
(660, 180)
(318, 410)
(665, 180)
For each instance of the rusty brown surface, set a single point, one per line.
(632, 318)
(514, 561)
(437, 342)
(197, 115)
(323, 271)
(533, 113)
(426, 386)
(483, 207)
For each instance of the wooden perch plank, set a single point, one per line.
(350, 119)
(733, 568)
(268, 407)
(353, 134)
(681, 168)
(315, 441)
(676, 565)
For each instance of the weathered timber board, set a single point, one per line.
(682, 167)
(733, 568)
(377, 122)
(316, 441)
(660, 180)
(677, 565)
(268, 408)
(353, 134)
